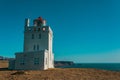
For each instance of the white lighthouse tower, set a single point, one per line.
(37, 53)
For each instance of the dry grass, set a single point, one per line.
(60, 74)
(3, 63)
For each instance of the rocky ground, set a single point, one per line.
(57, 74)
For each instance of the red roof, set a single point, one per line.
(39, 18)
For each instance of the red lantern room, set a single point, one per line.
(38, 21)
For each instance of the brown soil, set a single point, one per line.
(58, 74)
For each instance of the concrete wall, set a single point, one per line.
(51, 55)
(42, 42)
(28, 58)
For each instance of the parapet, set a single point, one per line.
(36, 22)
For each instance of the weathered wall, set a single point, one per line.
(29, 60)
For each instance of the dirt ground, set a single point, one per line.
(57, 74)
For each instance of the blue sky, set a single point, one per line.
(84, 30)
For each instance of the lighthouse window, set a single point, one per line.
(37, 47)
(34, 47)
(39, 36)
(22, 61)
(36, 61)
(38, 29)
(32, 36)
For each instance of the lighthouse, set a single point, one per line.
(37, 49)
